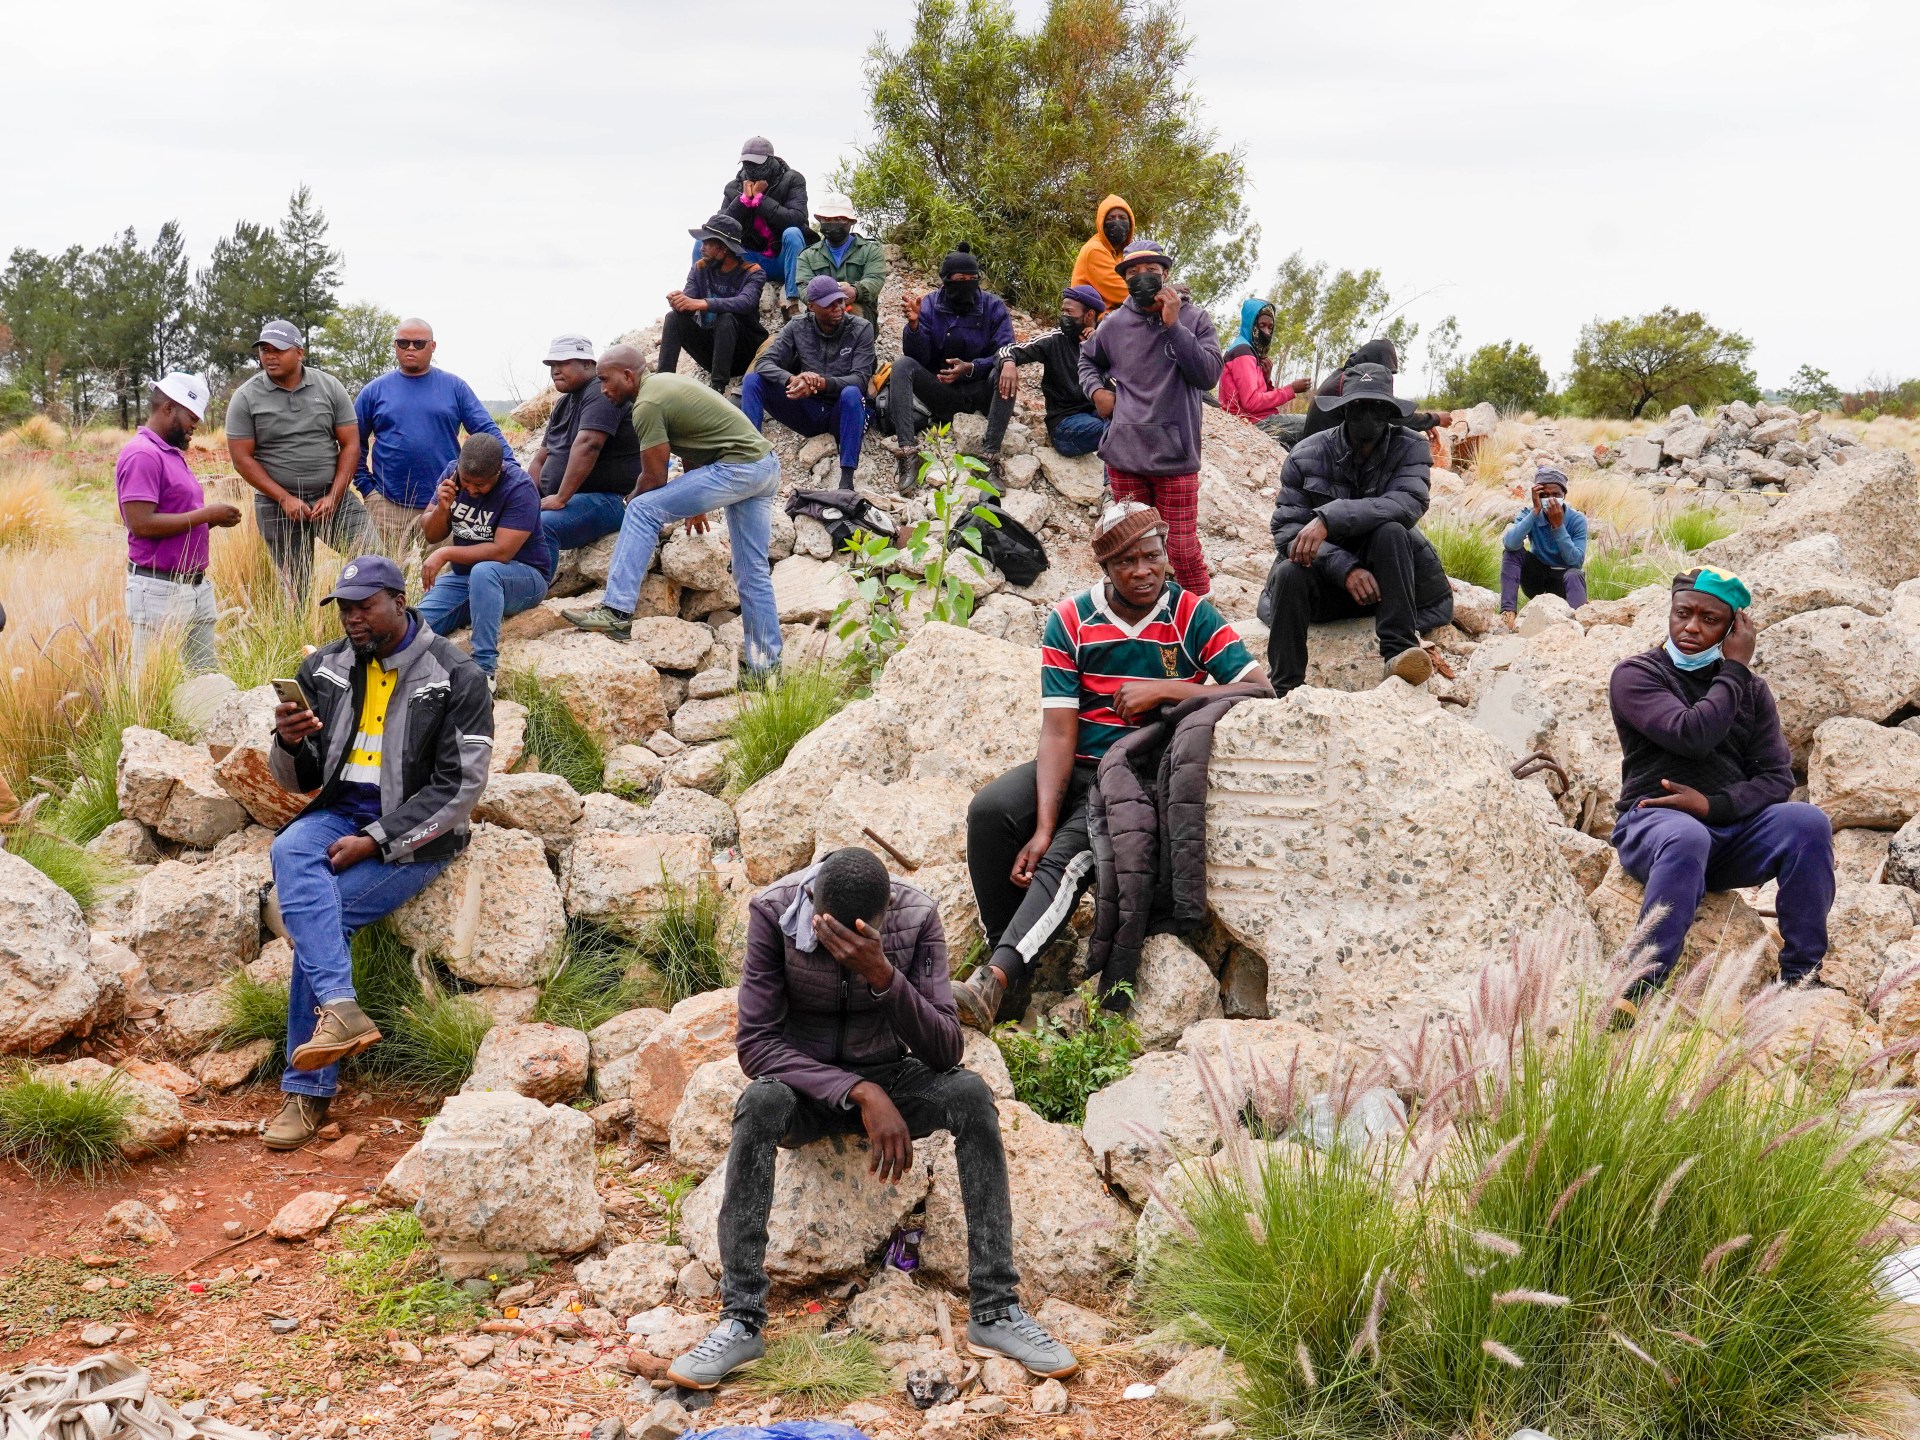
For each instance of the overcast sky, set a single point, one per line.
(511, 170)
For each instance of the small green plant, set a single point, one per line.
(599, 975)
(818, 1371)
(43, 1293)
(81, 874)
(106, 697)
(1055, 1066)
(385, 1268)
(899, 576)
(1468, 552)
(431, 1033)
(1612, 574)
(689, 941)
(772, 720)
(1697, 526)
(255, 1010)
(669, 1198)
(59, 1131)
(266, 638)
(556, 740)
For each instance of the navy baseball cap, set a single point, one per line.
(365, 576)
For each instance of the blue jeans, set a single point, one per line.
(1078, 434)
(783, 263)
(583, 519)
(845, 414)
(482, 598)
(746, 490)
(1679, 859)
(321, 910)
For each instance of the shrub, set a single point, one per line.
(1661, 1233)
(254, 1010)
(689, 942)
(385, 1267)
(59, 1131)
(818, 1371)
(80, 874)
(1697, 526)
(31, 510)
(1056, 1066)
(556, 740)
(599, 975)
(772, 720)
(1612, 573)
(1468, 552)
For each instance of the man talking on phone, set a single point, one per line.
(392, 729)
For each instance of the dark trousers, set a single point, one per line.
(843, 414)
(1302, 596)
(910, 381)
(770, 1114)
(1679, 859)
(1019, 923)
(1523, 570)
(725, 348)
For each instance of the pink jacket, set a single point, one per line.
(1244, 390)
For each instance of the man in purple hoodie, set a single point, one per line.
(847, 1026)
(1706, 782)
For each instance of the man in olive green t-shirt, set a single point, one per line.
(726, 463)
(293, 437)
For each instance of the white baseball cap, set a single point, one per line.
(835, 206)
(569, 347)
(186, 390)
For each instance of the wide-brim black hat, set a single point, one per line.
(723, 228)
(1365, 382)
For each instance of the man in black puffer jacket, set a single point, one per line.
(847, 1026)
(1345, 527)
(769, 199)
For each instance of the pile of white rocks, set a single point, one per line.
(1770, 448)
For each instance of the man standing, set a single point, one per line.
(847, 1027)
(1346, 528)
(1073, 426)
(949, 356)
(716, 319)
(397, 745)
(588, 459)
(1146, 370)
(813, 378)
(1098, 263)
(1706, 781)
(768, 201)
(1544, 548)
(859, 264)
(293, 437)
(1109, 658)
(1244, 387)
(410, 421)
(725, 465)
(499, 562)
(167, 519)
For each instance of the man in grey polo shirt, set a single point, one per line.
(293, 436)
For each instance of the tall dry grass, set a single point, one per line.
(32, 509)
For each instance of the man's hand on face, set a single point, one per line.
(886, 1132)
(444, 492)
(1683, 798)
(1555, 509)
(857, 949)
(1307, 543)
(955, 370)
(1168, 301)
(1361, 585)
(350, 850)
(1738, 642)
(293, 723)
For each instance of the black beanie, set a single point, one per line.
(959, 261)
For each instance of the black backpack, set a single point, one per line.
(1011, 548)
(842, 512)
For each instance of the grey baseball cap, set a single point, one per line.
(569, 347)
(281, 335)
(757, 149)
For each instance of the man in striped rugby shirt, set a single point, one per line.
(1110, 657)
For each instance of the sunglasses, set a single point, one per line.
(411, 344)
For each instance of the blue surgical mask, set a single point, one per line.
(1692, 662)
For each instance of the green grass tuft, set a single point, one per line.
(1697, 526)
(1055, 1067)
(1612, 574)
(63, 1132)
(1468, 552)
(267, 638)
(599, 975)
(556, 740)
(773, 720)
(81, 875)
(430, 1033)
(819, 1371)
(255, 1011)
(385, 1267)
(689, 944)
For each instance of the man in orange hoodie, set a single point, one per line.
(1113, 228)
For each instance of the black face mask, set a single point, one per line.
(757, 169)
(835, 232)
(1143, 285)
(1366, 425)
(1117, 228)
(1261, 340)
(1070, 327)
(961, 295)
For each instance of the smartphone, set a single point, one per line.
(290, 693)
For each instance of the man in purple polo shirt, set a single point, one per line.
(168, 523)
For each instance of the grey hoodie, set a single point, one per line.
(1157, 375)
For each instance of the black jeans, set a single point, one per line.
(910, 380)
(770, 1115)
(725, 348)
(1302, 596)
(1000, 821)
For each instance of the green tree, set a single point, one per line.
(355, 343)
(1509, 375)
(312, 275)
(1811, 389)
(125, 300)
(1009, 139)
(1443, 349)
(234, 295)
(40, 303)
(1668, 358)
(1319, 318)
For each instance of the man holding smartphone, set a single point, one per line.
(392, 731)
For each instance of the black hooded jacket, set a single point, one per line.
(1374, 352)
(784, 204)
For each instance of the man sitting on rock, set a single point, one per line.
(1372, 352)
(716, 319)
(386, 819)
(1705, 777)
(854, 260)
(813, 378)
(949, 356)
(1345, 526)
(1109, 658)
(847, 1027)
(767, 200)
(1244, 387)
(1074, 427)
(1544, 548)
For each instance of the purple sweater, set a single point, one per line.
(1158, 376)
(1715, 730)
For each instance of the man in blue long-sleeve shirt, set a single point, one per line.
(716, 319)
(410, 423)
(1544, 549)
(949, 362)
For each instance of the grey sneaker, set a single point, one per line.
(343, 1030)
(978, 999)
(1018, 1336)
(602, 620)
(1414, 666)
(727, 1347)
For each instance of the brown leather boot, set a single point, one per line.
(299, 1120)
(343, 1030)
(978, 998)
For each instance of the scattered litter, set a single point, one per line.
(792, 1430)
(105, 1395)
(1900, 1275)
(1139, 1391)
(903, 1250)
(1531, 1435)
